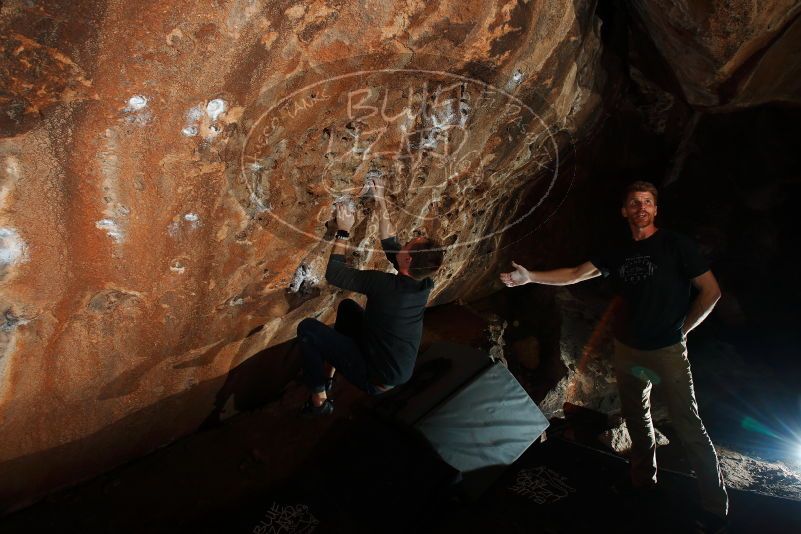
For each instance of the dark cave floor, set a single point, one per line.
(352, 473)
(268, 471)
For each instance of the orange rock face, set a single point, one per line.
(167, 170)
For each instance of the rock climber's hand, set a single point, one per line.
(518, 277)
(345, 217)
(376, 184)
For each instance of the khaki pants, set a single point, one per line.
(668, 369)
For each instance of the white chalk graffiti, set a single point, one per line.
(13, 249)
(415, 127)
(541, 485)
(289, 519)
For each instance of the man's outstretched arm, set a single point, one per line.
(701, 307)
(555, 277)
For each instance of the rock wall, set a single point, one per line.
(727, 54)
(167, 170)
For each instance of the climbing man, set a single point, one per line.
(653, 274)
(374, 348)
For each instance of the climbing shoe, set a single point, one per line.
(310, 410)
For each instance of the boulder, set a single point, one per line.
(618, 439)
(167, 172)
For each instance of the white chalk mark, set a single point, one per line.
(193, 219)
(515, 80)
(259, 203)
(172, 229)
(112, 229)
(303, 279)
(12, 167)
(298, 278)
(13, 172)
(194, 114)
(346, 200)
(464, 111)
(193, 117)
(13, 249)
(215, 108)
(10, 322)
(137, 110)
(136, 102)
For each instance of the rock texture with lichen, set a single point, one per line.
(167, 170)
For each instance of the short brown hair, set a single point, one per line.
(427, 258)
(641, 186)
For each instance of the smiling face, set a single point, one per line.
(640, 210)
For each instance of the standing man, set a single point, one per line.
(653, 273)
(374, 348)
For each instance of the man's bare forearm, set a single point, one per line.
(340, 247)
(563, 277)
(700, 309)
(385, 226)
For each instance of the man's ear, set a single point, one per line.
(623, 212)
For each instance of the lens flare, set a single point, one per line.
(749, 423)
(787, 442)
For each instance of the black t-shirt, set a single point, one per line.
(653, 277)
(393, 316)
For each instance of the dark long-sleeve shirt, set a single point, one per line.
(393, 317)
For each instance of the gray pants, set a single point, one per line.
(669, 370)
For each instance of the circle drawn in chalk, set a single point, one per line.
(416, 128)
